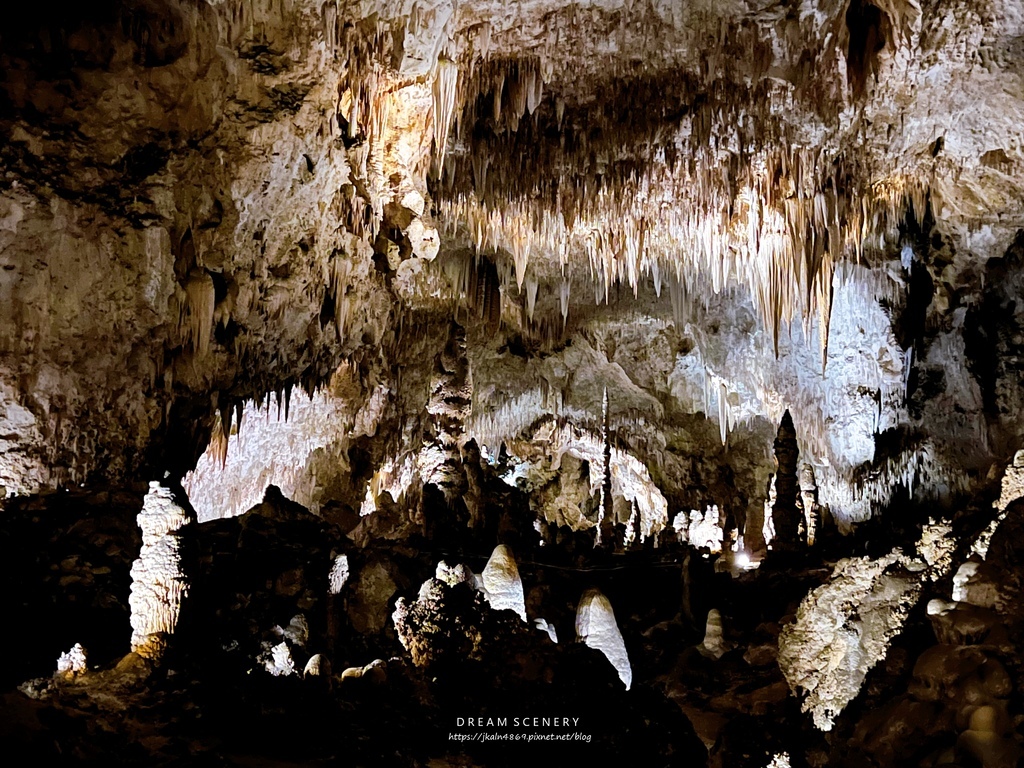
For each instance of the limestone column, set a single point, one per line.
(159, 584)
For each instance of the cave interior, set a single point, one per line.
(477, 383)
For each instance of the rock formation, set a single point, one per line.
(73, 663)
(787, 515)
(501, 582)
(159, 584)
(843, 629)
(450, 403)
(596, 626)
(639, 290)
(809, 505)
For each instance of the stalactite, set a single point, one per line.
(774, 218)
(195, 323)
(531, 297)
(218, 446)
(445, 91)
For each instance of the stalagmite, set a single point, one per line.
(503, 587)
(713, 644)
(809, 504)
(596, 626)
(159, 584)
(314, 666)
(450, 406)
(73, 663)
(606, 518)
(705, 529)
(786, 514)
(278, 661)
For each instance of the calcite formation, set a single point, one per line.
(451, 619)
(450, 403)
(278, 660)
(73, 663)
(159, 583)
(713, 644)
(809, 504)
(625, 286)
(299, 443)
(786, 511)
(504, 588)
(339, 574)
(596, 626)
(273, 156)
(844, 628)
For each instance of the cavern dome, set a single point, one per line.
(470, 383)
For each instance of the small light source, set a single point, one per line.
(742, 560)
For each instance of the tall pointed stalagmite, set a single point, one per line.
(786, 513)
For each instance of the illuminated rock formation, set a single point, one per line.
(159, 584)
(450, 403)
(843, 629)
(596, 626)
(809, 505)
(451, 621)
(383, 282)
(73, 663)
(501, 582)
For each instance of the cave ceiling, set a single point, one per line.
(667, 221)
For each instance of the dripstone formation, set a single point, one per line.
(356, 358)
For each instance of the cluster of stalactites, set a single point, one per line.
(196, 312)
(777, 225)
(920, 467)
(276, 401)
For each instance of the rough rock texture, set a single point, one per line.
(843, 628)
(450, 621)
(159, 583)
(450, 403)
(301, 446)
(177, 171)
(257, 189)
(73, 663)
